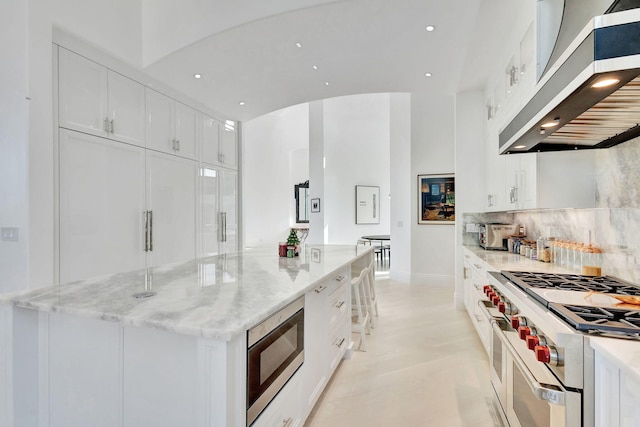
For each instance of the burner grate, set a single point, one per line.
(589, 319)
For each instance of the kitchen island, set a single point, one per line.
(162, 347)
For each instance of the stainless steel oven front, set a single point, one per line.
(529, 393)
(275, 351)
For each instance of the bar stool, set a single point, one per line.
(359, 312)
(372, 299)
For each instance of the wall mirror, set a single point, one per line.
(301, 193)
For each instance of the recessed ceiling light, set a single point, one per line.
(428, 74)
(553, 123)
(315, 67)
(298, 44)
(197, 76)
(326, 83)
(241, 102)
(520, 146)
(430, 28)
(605, 83)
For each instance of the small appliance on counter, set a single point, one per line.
(494, 236)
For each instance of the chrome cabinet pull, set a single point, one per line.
(320, 289)
(146, 231)
(223, 226)
(287, 422)
(150, 231)
(339, 344)
(340, 304)
(513, 194)
(111, 125)
(177, 145)
(339, 278)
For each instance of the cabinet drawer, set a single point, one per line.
(339, 305)
(284, 409)
(339, 338)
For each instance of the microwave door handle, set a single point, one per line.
(541, 391)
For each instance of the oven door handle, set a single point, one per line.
(542, 391)
(485, 310)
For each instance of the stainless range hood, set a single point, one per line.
(572, 109)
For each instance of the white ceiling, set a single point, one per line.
(359, 46)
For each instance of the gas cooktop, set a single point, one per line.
(584, 302)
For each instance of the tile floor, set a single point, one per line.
(424, 366)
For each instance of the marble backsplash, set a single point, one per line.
(616, 231)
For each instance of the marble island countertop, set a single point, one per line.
(217, 297)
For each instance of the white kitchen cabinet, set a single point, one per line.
(99, 101)
(102, 200)
(219, 142)
(327, 326)
(284, 409)
(219, 204)
(171, 193)
(520, 179)
(617, 392)
(105, 189)
(171, 125)
(475, 278)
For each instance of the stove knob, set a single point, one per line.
(496, 299)
(486, 289)
(533, 342)
(515, 322)
(543, 353)
(523, 331)
(502, 307)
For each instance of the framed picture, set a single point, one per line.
(315, 205)
(436, 199)
(367, 204)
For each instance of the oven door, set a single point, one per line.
(272, 360)
(497, 353)
(534, 396)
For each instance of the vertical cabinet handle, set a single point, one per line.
(177, 145)
(287, 422)
(150, 231)
(223, 226)
(111, 125)
(146, 231)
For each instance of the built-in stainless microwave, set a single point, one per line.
(275, 351)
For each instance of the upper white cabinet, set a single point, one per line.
(219, 142)
(171, 125)
(99, 101)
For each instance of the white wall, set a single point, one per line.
(14, 128)
(276, 157)
(356, 144)
(432, 152)
(401, 178)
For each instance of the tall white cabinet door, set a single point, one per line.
(126, 109)
(159, 122)
(229, 146)
(102, 192)
(210, 215)
(171, 192)
(82, 99)
(210, 140)
(186, 122)
(228, 211)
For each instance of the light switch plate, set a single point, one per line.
(9, 234)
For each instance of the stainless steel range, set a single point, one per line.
(542, 366)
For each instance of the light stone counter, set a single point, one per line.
(624, 353)
(503, 260)
(218, 297)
